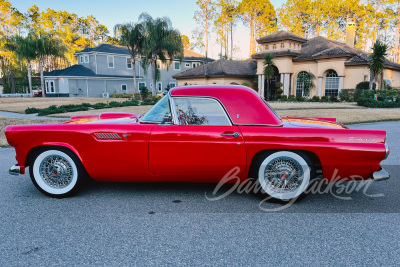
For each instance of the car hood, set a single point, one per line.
(309, 122)
(114, 117)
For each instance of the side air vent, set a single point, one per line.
(103, 136)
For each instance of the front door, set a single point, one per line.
(204, 144)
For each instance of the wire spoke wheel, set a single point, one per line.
(284, 175)
(56, 171)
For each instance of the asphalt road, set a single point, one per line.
(174, 224)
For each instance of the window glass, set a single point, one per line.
(128, 63)
(159, 86)
(81, 58)
(86, 59)
(159, 113)
(200, 111)
(187, 65)
(110, 60)
(177, 65)
(123, 87)
(172, 85)
(331, 83)
(141, 85)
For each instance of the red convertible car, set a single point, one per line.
(197, 134)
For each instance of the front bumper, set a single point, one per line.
(16, 170)
(381, 175)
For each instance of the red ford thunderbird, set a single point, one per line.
(197, 134)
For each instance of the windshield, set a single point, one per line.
(159, 113)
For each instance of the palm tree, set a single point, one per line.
(162, 42)
(377, 63)
(131, 35)
(24, 49)
(269, 70)
(46, 46)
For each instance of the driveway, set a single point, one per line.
(174, 224)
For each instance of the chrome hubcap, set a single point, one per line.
(283, 175)
(56, 171)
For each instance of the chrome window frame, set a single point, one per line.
(175, 114)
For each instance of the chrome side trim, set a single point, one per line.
(15, 170)
(387, 151)
(381, 175)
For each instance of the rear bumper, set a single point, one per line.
(16, 170)
(381, 175)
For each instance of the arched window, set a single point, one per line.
(267, 47)
(282, 45)
(331, 83)
(304, 84)
(290, 45)
(274, 46)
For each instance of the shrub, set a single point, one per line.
(292, 98)
(368, 94)
(99, 105)
(315, 99)
(300, 98)
(132, 102)
(136, 96)
(347, 95)
(52, 107)
(333, 98)
(284, 98)
(371, 103)
(144, 93)
(114, 104)
(31, 110)
(365, 86)
(121, 95)
(87, 105)
(247, 84)
(324, 98)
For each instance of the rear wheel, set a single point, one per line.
(284, 175)
(56, 172)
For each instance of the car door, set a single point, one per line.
(202, 142)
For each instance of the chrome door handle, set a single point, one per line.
(235, 134)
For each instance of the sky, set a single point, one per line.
(112, 12)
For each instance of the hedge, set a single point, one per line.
(371, 103)
(82, 107)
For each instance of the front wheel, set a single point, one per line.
(284, 176)
(56, 172)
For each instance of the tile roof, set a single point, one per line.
(282, 53)
(281, 36)
(221, 67)
(80, 71)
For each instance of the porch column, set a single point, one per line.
(340, 84)
(259, 84)
(320, 86)
(282, 76)
(286, 84)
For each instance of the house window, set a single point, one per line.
(267, 47)
(290, 45)
(81, 59)
(194, 65)
(159, 86)
(123, 87)
(331, 83)
(110, 60)
(303, 84)
(187, 65)
(128, 63)
(172, 84)
(86, 59)
(282, 45)
(141, 85)
(158, 64)
(177, 66)
(274, 47)
(365, 78)
(50, 87)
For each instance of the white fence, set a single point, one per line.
(16, 95)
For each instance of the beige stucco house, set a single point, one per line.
(335, 65)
